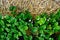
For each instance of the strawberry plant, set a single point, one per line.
(22, 26)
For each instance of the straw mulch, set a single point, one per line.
(34, 6)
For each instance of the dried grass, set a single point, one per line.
(34, 6)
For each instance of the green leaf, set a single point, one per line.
(56, 24)
(12, 8)
(40, 38)
(25, 37)
(25, 27)
(30, 25)
(34, 29)
(52, 15)
(1, 29)
(9, 35)
(7, 29)
(56, 28)
(50, 32)
(42, 35)
(21, 15)
(42, 21)
(47, 36)
(28, 15)
(1, 22)
(7, 17)
(37, 17)
(49, 27)
(42, 27)
(59, 37)
(51, 39)
(19, 33)
(22, 30)
(8, 25)
(30, 37)
(41, 31)
(52, 20)
(7, 38)
(12, 20)
(58, 13)
(2, 36)
(16, 35)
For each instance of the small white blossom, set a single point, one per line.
(29, 20)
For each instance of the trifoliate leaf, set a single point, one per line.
(8, 25)
(19, 33)
(41, 38)
(7, 29)
(21, 15)
(24, 27)
(7, 17)
(42, 21)
(42, 27)
(2, 36)
(49, 27)
(37, 17)
(56, 23)
(56, 28)
(50, 32)
(34, 29)
(16, 35)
